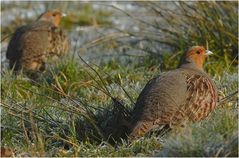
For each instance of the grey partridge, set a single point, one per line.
(175, 97)
(32, 45)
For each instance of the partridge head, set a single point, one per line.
(52, 16)
(195, 55)
(175, 97)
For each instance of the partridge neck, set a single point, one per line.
(189, 64)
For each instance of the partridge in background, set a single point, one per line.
(175, 97)
(32, 45)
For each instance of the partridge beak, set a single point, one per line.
(63, 14)
(208, 52)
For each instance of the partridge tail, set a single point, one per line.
(140, 129)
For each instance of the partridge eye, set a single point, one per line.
(54, 14)
(198, 52)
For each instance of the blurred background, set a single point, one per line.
(130, 31)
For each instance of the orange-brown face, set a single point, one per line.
(51, 16)
(197, 54)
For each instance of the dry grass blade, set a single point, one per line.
(72, 110)
(223, 100)
(101, 79)
(5, 37)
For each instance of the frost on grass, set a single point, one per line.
(215, 136)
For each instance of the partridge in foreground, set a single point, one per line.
(32, 45)
(175, 97)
